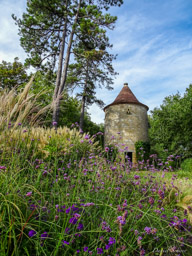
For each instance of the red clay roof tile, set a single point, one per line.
(126, 96)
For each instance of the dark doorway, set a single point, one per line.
(129, 157)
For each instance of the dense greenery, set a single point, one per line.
(142, 150)
(171, 125)
(12, 74)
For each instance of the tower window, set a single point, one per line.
(128, 112)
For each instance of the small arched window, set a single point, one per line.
(128, 112)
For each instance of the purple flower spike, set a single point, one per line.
(32, 233)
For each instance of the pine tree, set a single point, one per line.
(49, 29)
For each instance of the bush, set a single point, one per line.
(142, 150)
(186, 165)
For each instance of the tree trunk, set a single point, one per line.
(60, 65)
(59, 72)
(64, 73)
(84, 99)
(82, 113)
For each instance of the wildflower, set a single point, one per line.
(88, 204)
(139, 240)
(136, 177)
(86, 137)
(54, 123)
(106, 149)
(32, 233)
(2, 167)
(85, 249)
(112, 240)
(147, 230)
(44, 235)
(80, 226)
(99, 251)
(136, 232)
(151, 201)
(29, 193)
(73, 220)
(142, 252)
(64, 242)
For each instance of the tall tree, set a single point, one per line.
(48, 26)
(13, 74)
(93, 67)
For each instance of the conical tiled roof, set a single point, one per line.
(126, 97)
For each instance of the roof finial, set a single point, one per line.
(125, 84)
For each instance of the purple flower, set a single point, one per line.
(136, 177)
(32, 233)
(107, 246)
(44, 235)
(106, 149)
(151, 200)
(86, 137)
(54, 123)
(65, 242)
(80, 226)
(29, 193)
(147, 230)
(85, 248)
(73, 220)
(99, 251)
(112, 240)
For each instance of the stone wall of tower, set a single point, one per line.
(130, 120)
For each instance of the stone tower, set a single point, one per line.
(127, 116)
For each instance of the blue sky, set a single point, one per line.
(153, 40)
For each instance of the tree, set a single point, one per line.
(93, 67)
(12, 74)
(171, 125)
(49, 26)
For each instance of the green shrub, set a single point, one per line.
(142, 150)
(186, 165)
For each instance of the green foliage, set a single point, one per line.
(142, 150)
(186, 165)
(13, 74)
(171, 125)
